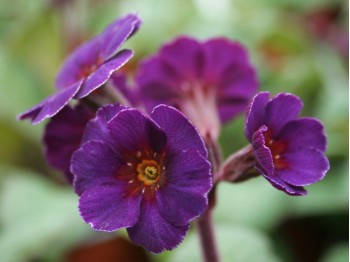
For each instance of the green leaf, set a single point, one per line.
(36, 217)
(237, 244)
(338, 253)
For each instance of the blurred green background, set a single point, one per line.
(297, 46)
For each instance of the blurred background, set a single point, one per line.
(297, 46)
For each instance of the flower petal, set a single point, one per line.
(101, 75)
(262, 153)
(305, 167)
(188, 181)
(185, 56)
(154, 232)
(280, 110)
(171, 121)
(303, 133)
(219, 55)
(51, 105)
(96, 129)
(84, 56)
(63, 135)
(85, 169)
(117, 33)
(157, 83)
(132, 131)
(279, 184)
(179, 207)
(189, 171)
(107, 207)
(255, 114)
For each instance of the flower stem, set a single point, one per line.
(207, 237)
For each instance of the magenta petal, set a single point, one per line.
(305, 167)
(107, 207)
(303, 133)
(51, 105)
(96, 129)
(85, 170)
(185, 56)
(101, 75)
(84, 56)
(255, 114)
(262, 153)
(132, 131)
(154, 232)
(171, 121)
(280, 110)
(63, 135)
(117, 33)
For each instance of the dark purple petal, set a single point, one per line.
(172, 121)
(303, 133)
(228, 70)
(96, 129)
(101, 75)
(255, 114)
(184, 195)
(107, 207)
(117, 33)
(305, 167)
(279, 184)
(280, 110)
(157, 83)
(132, 131)
(189, 171)
(154, 232)
(221, 54)
(63, 135)
(262, 153)
(51, 105)
(185, 56)
(84, 57)
(94, 163)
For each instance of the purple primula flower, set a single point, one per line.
(87, 68)
(289, 150)
(63, 135)
(147, 174)
(211, 81)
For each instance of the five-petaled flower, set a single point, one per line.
(289, 150)
(211, 82)
(147, 174)
(87, 68)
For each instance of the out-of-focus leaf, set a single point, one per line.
(251, 203)
(338, 253)
(330, 195)
(237, 244)
(36, 217)
(333, 105)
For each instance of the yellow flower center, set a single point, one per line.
(148, 172)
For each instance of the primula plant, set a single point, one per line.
(143, 153)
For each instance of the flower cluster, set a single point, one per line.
(151, 165)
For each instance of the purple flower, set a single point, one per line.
(289, 150)
(147, 174)
(211, 82)
(87, 68)
(63, 135)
